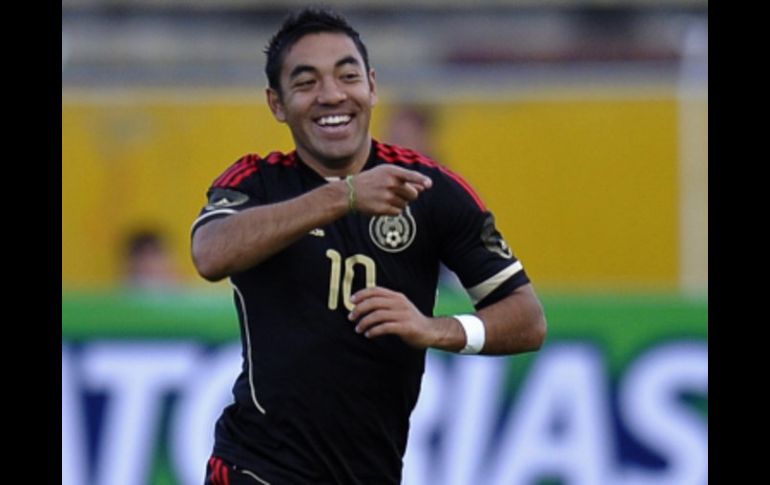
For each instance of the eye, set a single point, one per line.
(351, 76)
(304, 83)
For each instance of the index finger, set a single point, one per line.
(414, 177)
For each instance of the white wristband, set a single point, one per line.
(474, 333)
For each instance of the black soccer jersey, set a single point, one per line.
(315, 401)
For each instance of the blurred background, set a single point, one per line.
(583, 125)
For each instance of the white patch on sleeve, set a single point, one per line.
(480, 291)
(209, 214)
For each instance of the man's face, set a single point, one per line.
(327, 98)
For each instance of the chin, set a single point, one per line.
(338, 152)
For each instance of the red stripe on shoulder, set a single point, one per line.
(245, 163)
(224, 478)
(285, 159)
(242, 175)
(249, 164)
(396, 154)
(215, 475)
(457, 178)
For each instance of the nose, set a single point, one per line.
(331, 93)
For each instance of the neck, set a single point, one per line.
(337, 167)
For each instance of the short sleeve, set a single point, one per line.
(236, 189)
(470, 243)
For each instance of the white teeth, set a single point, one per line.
(334, 120)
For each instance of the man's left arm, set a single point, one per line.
(512, 325)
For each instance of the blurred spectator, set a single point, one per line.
(413, 126)
(148, 262)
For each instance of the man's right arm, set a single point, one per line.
(232, 244)
(235, 243)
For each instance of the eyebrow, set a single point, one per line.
(347, 60)
(302, 68)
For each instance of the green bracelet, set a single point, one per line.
(351, 193)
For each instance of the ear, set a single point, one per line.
(372, 87)
(276, 104)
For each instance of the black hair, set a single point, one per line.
(310, 20)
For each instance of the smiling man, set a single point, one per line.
(325, 94)
(333, 251)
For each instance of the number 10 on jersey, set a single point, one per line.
(370, 272)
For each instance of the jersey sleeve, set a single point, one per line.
(470, 243)
(236, 189)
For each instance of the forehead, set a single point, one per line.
(320, 50)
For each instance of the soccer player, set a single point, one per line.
(333, 252)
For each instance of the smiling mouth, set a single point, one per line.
(331, 121)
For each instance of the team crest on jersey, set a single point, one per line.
(393, 233)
